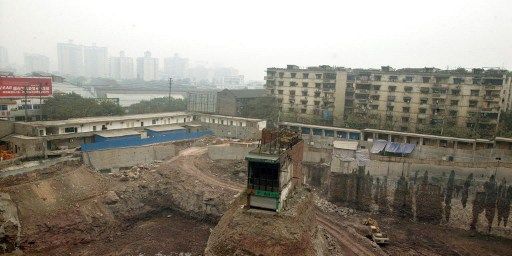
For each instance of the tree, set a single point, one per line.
(505, 125)
(157, 105)
(263, 108)
(72, 105)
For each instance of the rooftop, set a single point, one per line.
(164, 128)
(117, 133)
(101, 119)
(247, 93)
(234, 117)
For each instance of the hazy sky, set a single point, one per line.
(253, 35)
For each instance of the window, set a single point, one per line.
(70, 130)
(375, 97)
(317, 103)
(407, 99)
(389, 118)
(330, 76)
(318, 76)
(408, 89)
(392, 88)
(153, 121)
(3, 107)
(458, 80)
(424, 90)
(280, 92)
(293, 84)
(376, 87)
(426, 79)
(293, 75)
(303, 111)
(390, 108)
(318, 85)
(423, 101)
(406, 109)
(421, 120)
(455, 92)
(281, 74)
(423, 110)
(453, 113)
(281, 83)
(475, 92)
(374, 107)
(329, 133)
(473, 103)
(454, 102)
(377, 77)
(230, 122)
(393, 78)
(292, 92)
(305, 75)
(94, 128)
(408, 79)
(405, 119)
(304, 93)
(305, 84)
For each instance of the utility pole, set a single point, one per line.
(25, 106)
(170, 88)
(40, 103)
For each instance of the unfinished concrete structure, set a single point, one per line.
(274, 169)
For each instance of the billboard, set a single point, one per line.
(19, 87)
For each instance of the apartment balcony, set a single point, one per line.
(326, 80)
(361, 100)
(438, 107)
(492, 87)
(488, 120)
(390, 104)
(492, 98)
(362, 91)
(438, 95)
(423, 116)
(328, 99)
(491, 110)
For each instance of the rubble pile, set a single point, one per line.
(329, 207)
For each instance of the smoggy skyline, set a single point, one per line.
(260, 34)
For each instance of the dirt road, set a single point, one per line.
(186, 160)
(350, 244)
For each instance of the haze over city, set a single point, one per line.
(260, 34)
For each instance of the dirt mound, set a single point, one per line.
(247, 232)
(10, 228)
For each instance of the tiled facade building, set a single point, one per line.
(403, 99)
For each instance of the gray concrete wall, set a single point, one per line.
(238, 132)
(232, 151)
(126, 157)
(6, 128)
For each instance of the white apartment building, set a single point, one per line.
(95, 61)
(70, 58)
(36, 63)
(147, 67)
(175, 66)
(121, 68)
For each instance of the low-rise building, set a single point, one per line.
(233, 102)
(202, 101)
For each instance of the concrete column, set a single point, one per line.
(389, 137)
(474, 150)
(374, 136)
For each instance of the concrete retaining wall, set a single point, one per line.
(237, 132)
(126, 157)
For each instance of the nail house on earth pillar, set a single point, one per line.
(274, 169)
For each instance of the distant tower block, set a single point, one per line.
(274, 169)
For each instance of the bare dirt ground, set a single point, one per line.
(169, 233)
(179, 233)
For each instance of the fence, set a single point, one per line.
(137, 141)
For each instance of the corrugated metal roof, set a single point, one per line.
(345, 144)
(117, 133)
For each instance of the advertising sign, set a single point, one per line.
(20, 87)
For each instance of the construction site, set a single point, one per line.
(266, 192)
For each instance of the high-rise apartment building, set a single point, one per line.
(70, 58)
(147, 67)
(407, 99)
(121, 68)
(175, 66)
(36, 62)
(95, 61)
